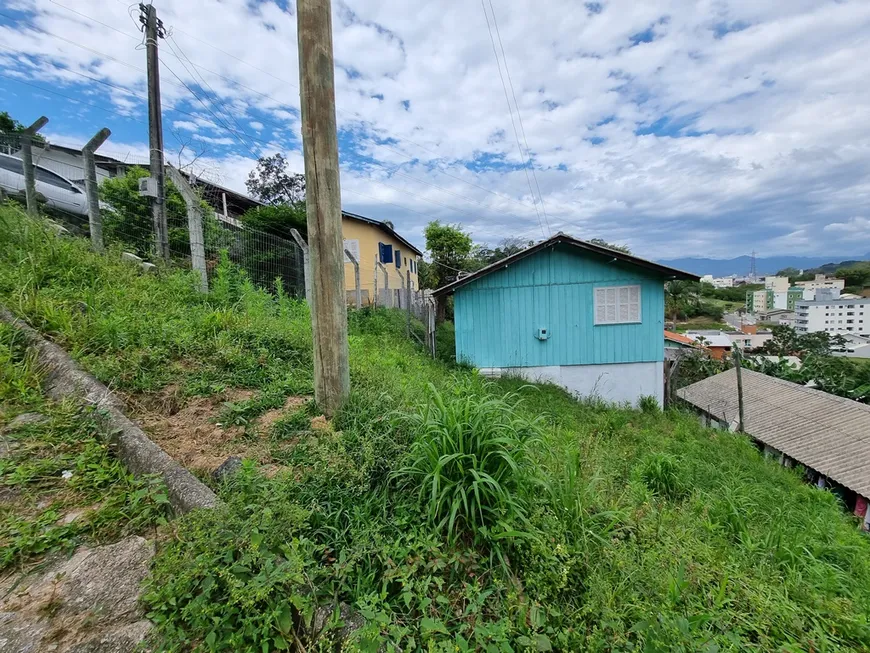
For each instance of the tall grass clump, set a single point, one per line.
(661, 473)
(467, 463)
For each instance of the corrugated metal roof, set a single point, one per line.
(827, 433)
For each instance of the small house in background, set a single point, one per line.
(795, 424)
(585, 317)
(716, 342)
(676, 344)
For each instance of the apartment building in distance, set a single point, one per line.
(718, 282)
(822, 281)
(833, 316)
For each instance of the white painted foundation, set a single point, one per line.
(616, 383)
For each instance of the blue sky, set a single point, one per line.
(679, 127)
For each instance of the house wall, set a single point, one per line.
(369, 236)
(498, 315)
(616, 383)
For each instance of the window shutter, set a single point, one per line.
(386, 252)
(398, 259)
(600, 305)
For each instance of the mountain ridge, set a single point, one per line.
(763, 265)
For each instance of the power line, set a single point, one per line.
(519, 115)
(511, 112)
(278, 102)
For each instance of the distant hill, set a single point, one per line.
(770, 265)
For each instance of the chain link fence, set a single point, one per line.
(127, 218)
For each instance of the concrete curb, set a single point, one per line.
(64, 378)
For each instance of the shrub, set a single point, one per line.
(661, 473)
(649, 404)
(466, 463)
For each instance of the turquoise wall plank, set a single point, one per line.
(497, 316)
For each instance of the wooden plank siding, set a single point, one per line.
(497, 316)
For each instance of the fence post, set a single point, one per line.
(306, 263)
(408, 300)
(380, 265)
(27, 161)
(355, 278)
(95, 220)
(375, 298)
(430, 325)
(194, 224)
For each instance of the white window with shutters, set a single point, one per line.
(617, 305)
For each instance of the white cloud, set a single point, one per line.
(757, 135)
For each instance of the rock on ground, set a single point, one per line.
(87, 603)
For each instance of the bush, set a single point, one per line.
(661, 473)
(277, 220)
(466, 463)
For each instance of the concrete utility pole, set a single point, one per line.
(153, 31)
(92, 189)
(27, 161)
(325, 241)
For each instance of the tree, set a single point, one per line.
(603, 243)
(855, 275)
(788, 342)
(482, 255)
(449, 248)
(9, 127)
(277, 220)
(270, 182)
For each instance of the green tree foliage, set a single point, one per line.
(683, 301)
(127, 216)
(788, 342)
(449, 247)
(483, 255)
(270, 182)
(856, 276)
(603, 243)
(10, 127)
(277, 219)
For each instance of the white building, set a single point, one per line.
(777, 284)
(837, 316)
(822, 281)
(855, 347)
(718, 282)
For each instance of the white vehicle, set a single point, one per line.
(59, 192)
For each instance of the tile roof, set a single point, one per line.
(827, 433)
(679, 337)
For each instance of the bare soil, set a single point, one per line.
(190, 431)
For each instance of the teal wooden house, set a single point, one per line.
(582, 316)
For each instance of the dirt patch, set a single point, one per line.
(190, 430)
(267, 419)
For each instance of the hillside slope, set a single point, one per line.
(449, 513)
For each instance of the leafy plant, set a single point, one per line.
(661, 473)
(466, 463)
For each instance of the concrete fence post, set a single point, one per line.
(306, 262)
(389, 300)
(375, 296)
(408, 299)
(92, 189)
(355, 278)
(194, 225)
(27, 161)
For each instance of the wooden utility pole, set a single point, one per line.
(153, 30)
(92, 189)
(27, 163)
(737, 368)
(325, 240)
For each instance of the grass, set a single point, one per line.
(617, 529)
(60, 484)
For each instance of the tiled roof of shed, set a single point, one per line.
(827, 433)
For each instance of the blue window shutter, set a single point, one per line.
(398, 259)
(386, 252)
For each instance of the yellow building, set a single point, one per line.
(372, 242)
